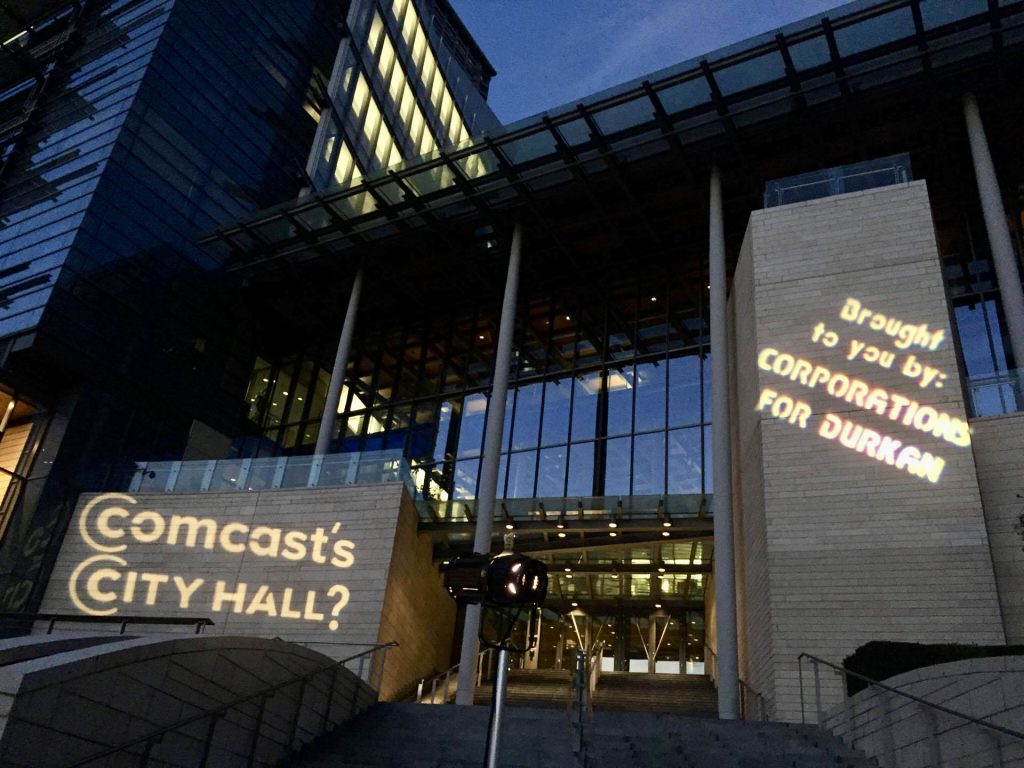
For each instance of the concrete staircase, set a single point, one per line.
(539, 688)
(691, 695)
(425, 736)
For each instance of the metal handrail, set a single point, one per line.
(124, 621)
(446, 676)
(742, 685)
(220, 711)
(946, 710)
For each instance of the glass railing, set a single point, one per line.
(880, 172)
(222, 475)
(574, 510)
(996, 394)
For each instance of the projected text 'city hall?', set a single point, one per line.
(113, 526)
(891, 345)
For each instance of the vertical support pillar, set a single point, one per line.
(323, 438)
(725, 579)
(1003, 257)
(489, 460)
(652, 642)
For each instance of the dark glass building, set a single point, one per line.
(128, 128)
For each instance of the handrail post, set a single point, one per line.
(817, 692)
(144, 757)
(251, 761)
(298, 713)
(800, 672)
(208, 742)
(330, 700)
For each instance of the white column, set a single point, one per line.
(489, 461)
(323, 438)
(1003, 257)
(725, 581)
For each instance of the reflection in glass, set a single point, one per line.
(521, 468)
(616, 473)
(528, 406)
(684, 460)
(649, 464)
(551, 472)
(620, 401)
(471, 431)
(650, 396)
(584, 406)
(581, 470)
(684, 390)
(556, 412)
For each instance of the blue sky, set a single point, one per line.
(550, 52)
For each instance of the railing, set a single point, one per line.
(879, 172)
(996, 394)
(752, 704)
(996, 746)
(220, 475)
(444, 679)
(12, 484)
(124, 621)
(580, 706)
(216, 715)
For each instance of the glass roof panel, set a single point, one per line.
(875, 31)
(809, 53)
(685, 95)
(623, 116)
(935, 13)
(575, 131)
(747, 74)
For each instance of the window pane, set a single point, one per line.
(684, 461)
(551, 472)
(581, 470)
(620, 401)
(556, 412)
(584, 406)
(521, 469)
(466, 472)
(527, 425)
(471, 433)
(616, 473)
(650, 396)
(649, 464)
(684, 391)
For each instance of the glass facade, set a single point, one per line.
(610, 396)
(399, 91)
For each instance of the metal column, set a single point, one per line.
(725, 581)
(489, 461)
(1007, 272)
(323, 438)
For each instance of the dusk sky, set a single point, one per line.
(550, 52)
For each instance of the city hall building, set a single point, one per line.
(289, 318)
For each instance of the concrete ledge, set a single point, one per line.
(82, 694)
(900, 732)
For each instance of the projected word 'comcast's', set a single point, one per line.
(113, 526)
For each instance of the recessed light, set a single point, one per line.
(613, 533)
(665, 533)
(561, 534)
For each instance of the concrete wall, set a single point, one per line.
(901, 733)
(848, 544)
(338, 569)
(999, 453)
(417, 612)
(77, 699)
